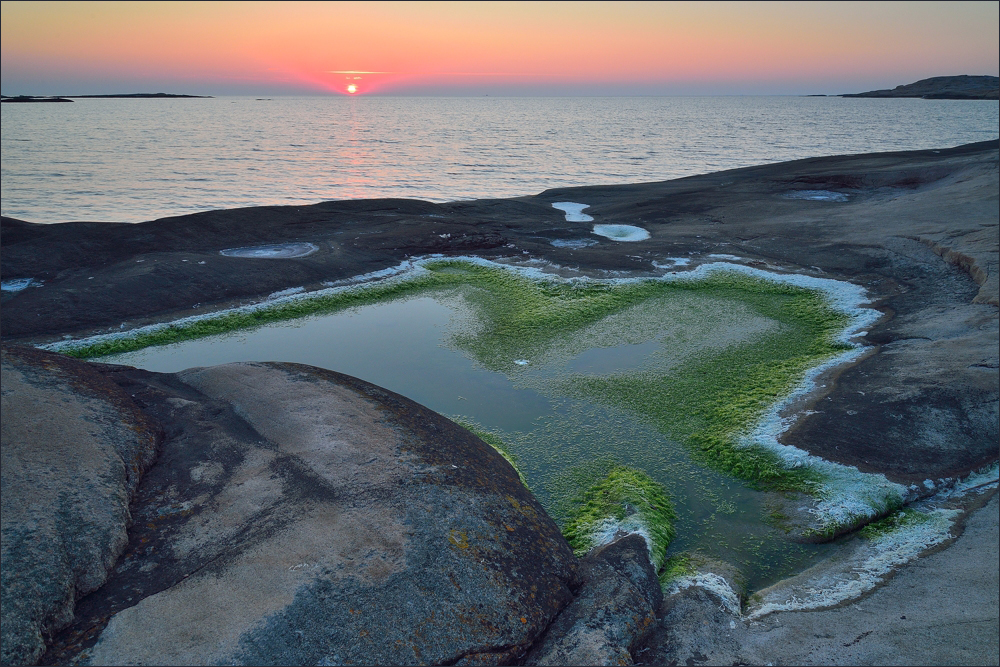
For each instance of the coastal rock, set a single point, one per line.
(74, 446)
(961, 87)
(699, 620)
(300, 516)
(694, 628)
(234, 492)
(612, 612)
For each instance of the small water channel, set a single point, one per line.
(413, 345)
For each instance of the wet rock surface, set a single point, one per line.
(74, 447)
(300, 516)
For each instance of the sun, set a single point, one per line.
(351, 88)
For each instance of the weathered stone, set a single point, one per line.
(73, 448)
(698, 624)
(612, 612)
(301, 516)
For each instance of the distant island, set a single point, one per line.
(69, 98)
(139, 96)
(962, 87)
(31, 98)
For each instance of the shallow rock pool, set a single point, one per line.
(555, 398)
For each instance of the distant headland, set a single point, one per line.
(69, 98)
(962, 87)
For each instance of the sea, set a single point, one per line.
(130, 160)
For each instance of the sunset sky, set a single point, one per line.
(434, 48)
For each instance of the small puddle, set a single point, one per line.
(275, 251)
(671, 262)
(621, 232)
(18, 284)
(573, 243)
(574, 212)
(816, 195)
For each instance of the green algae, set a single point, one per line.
(520, 314)
(234, 320)
(891, 505)
(711, 401)
(629, 500)
(900, 519)
(675, 567)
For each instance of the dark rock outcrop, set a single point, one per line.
(293, 516)
(74, 446)
(614, 609)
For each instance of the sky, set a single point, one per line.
(439, 48)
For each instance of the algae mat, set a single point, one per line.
(643, 405)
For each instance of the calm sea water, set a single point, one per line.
(134, 160)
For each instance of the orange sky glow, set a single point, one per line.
(490, 48)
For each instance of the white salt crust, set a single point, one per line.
(671, 262)
(573, 243)
(863, 570)
(610, 529)
(860, 571)
(712, 583)
(18, 284)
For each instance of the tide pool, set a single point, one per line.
(578, 380)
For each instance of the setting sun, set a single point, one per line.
(351, 88)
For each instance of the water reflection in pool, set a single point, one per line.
(408, 346)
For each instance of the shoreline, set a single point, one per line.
(917, 231)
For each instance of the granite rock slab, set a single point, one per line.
(300, 516)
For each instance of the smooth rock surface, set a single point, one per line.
(73, 449)
(301, 516)
(613, 610)
(940, 610)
